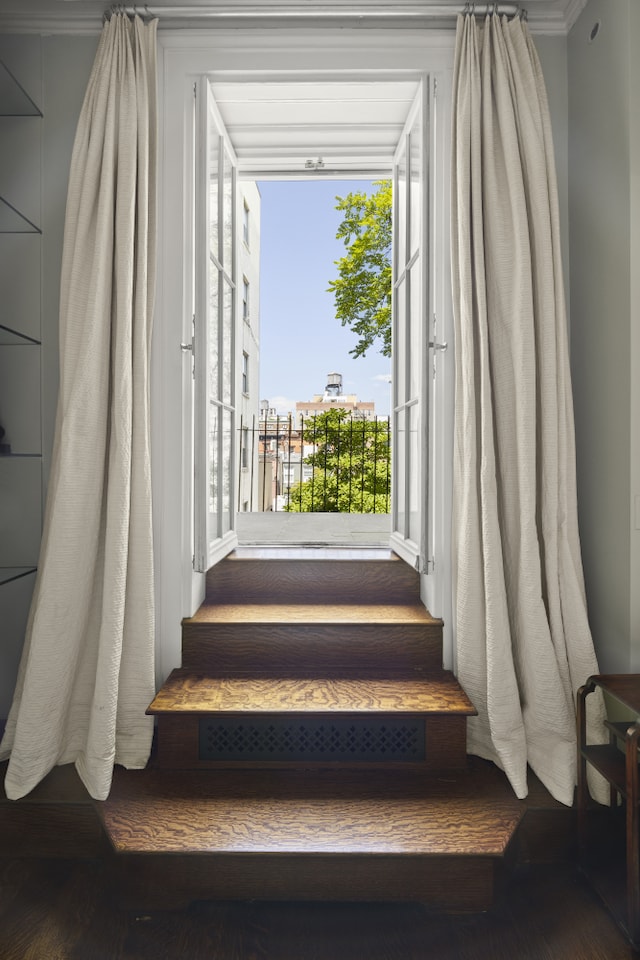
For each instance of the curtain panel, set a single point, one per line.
(523, 643)
(87, 670)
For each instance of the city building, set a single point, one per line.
(248, 206)
(335, 398)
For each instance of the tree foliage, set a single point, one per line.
(362, 290)
(351, 466)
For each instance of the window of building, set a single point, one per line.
(245, 373)
(245, 223)
(244, 449)
(245, 299)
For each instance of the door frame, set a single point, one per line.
(211, 541)
(312, 52)
(416, 552)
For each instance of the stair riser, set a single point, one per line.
(179, 739)
(294, 649)
(457, 884)
(312, 581)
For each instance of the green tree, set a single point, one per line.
(362, 290)
(351, 466)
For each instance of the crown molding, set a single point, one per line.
(548, 19)
(573, 9)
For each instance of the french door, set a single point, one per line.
(215, 335)
(216, 362)
(410, 340)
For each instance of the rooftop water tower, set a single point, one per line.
(334, 385)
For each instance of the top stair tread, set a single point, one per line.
(327, 553)
(312, 613)
(188, 692)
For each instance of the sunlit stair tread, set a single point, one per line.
(288, 613)
(304, 812)
(332, 554)
(189, 692)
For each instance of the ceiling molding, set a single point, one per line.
(573, 9)
(546, 17)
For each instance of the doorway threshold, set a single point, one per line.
(313, 529)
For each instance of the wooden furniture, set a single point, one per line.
(617, 761)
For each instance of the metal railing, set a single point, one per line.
(327, 463)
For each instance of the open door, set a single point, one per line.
(410, 326)
(215, 336)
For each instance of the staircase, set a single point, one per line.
(311, 747)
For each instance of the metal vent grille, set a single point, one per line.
(341, 739)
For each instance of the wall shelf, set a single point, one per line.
(21, 350)
(12, 338)
(12, 221)
(21, 480)
(14, 100)
(9, 574)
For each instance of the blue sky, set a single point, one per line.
(300, 339)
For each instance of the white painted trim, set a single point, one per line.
(548, 19)
(178, 595)
(436, 584)
(573, 9)
(336, 54)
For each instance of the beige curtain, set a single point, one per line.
(87, 671)
(523, 643)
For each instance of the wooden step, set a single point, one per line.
(208, 721)
(186, 692)
(305, 835)
(309, 638)
(306, 574)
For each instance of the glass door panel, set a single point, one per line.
(410, 342)
(215, 336)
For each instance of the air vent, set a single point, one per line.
(339, 740)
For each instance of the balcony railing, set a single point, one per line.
(329, 463)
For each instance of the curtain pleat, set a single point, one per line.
(87, 670)
(523, 643)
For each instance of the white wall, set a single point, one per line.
(603, 160)
(552, 52)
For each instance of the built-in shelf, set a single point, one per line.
(12, 338)
(12, 221)
(9, 574)
(21, 463)
(14, 100)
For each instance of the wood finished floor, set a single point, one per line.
(64, 910)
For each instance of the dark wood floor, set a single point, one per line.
(63, 910)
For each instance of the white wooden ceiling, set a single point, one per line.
(82, 16)
(327, 128)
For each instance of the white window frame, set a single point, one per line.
(246, 221)
(314, 51)
(246, 286)
(245, 374)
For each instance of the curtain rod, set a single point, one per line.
(231, 11)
